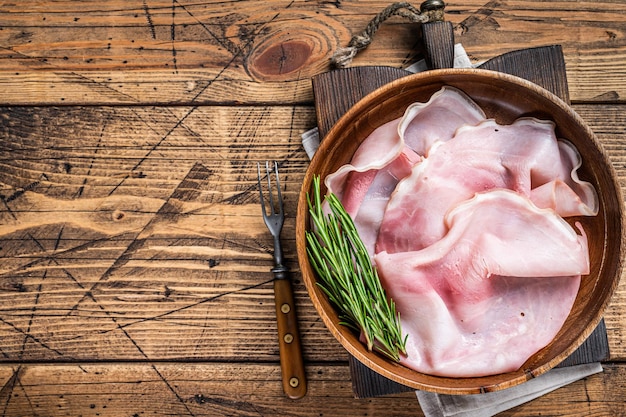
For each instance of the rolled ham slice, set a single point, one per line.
(351, 182)
(364, 185)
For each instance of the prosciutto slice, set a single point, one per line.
(520, 157)
(492, 292)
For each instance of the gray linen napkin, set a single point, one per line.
(491, 403)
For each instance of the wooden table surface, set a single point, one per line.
(134, 263)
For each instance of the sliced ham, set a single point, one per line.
(492, 292)
(463, 218)
(351, 182)
(438, 119)
(568, 194)
(372, 206)
(520, 157)
(385, 157)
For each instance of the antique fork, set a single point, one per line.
(291, 363)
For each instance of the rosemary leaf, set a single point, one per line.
(347, 276)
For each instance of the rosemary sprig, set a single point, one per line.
(349, 279)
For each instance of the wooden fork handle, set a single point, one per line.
(291, 362)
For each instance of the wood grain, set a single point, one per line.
(112, 244)
(438, 40)
(214, 389)
(119, 52)
(134, 268)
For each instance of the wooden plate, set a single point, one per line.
(504, 98)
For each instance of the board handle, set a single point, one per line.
(438, 38)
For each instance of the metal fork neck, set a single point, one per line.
(279, 270)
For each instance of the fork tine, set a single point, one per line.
(269, 187)
(258, 167)
(276, 207)
(278, 192)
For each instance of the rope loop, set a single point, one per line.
(430, 11)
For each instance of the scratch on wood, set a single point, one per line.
(33, 338)
(119, 327)
(87, 294)
(173, 37)
(197, 171)
(120, 261)
(238, 406)
(176, 394)
(146, 11)
(179, 122)
(141, 351)
(93, 160)
(6, 206)
(18, 193)
(33, 311)
(179, 309)
(486, 11)
(87, 245)
(52, 257)
(223, 41)
(74, 77)
(158, 297)
(7, 390)
(123, 330)
(27, 335)
(58, 239)
(97, 86)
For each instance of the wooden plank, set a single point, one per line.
(159, 51)
(544, 66)
(144, 239)
(242, 389)
(353, 84)
(133, 233)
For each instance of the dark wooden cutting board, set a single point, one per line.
(336, 91)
